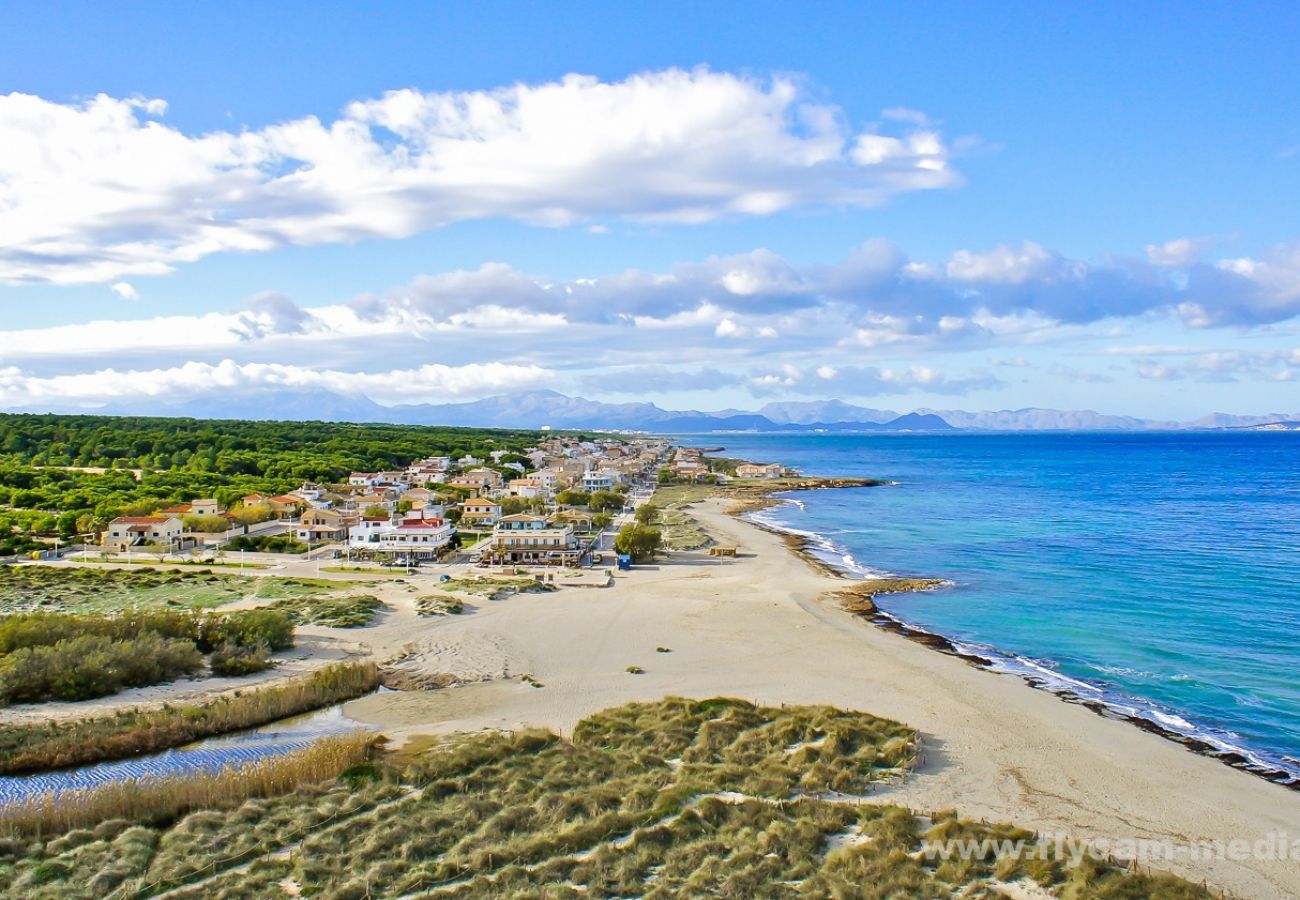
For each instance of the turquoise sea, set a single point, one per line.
(1158, 574)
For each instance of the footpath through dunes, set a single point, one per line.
(676, 798)
(763, 627)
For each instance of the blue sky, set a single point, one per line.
(950, 205)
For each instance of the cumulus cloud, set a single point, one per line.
(867, 381)
(1178, 253)
(734, 321)
(124, 290)
(102, 189)
(1223, 366)
(656, 379)
(875, 301)
(430, 382)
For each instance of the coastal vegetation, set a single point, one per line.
(641, 542)
(496, 588)
(162, 799)
(57, 744)
(69, 475)
(673, 798)
(264, 543)
(65, 656)
(439, 605)
(88, 589)
(355, 611)
(681, 531)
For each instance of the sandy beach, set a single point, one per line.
(761, 628)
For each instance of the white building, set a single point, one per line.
(597, 481)
(416, 539)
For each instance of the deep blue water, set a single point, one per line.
(1159, 573)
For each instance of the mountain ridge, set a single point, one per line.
(544, 407)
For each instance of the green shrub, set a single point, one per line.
(247, 628)
(90, 666)
(232, 659)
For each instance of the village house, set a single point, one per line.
(479, 511)
(310, 495)
(208, 507)
(323, 525)
(597, 481)
(368, 530)
(283, 505)
(418, 497)
(134, 531)
(551, 480)
(528, 488)
(489, 478)
(755, 470)
(422, 539)
(580, 519)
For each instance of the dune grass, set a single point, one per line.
(55, 744)
(356, 611)
(496, 588)
(681, 531)
(678, 798)
(30, 588)
(439, 605)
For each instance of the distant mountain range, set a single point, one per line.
(536, 409)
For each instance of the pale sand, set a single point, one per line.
(758, 628)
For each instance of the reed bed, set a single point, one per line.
(153, 800)
(55, 745)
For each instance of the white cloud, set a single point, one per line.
(1011, 265)
(875, 300)
(866, 381)
(124, 290)
(1222, 365)
(1178, 253)
(194, 379)
(99, 190)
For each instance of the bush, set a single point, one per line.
(231, 660)
(61, 656)
(247, 628)
(90, 666)
(262, 543)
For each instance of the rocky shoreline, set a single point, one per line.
(857, 598)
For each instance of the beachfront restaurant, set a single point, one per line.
(524, 539)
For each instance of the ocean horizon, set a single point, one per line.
(1153, 574)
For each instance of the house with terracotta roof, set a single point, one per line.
(323, 525)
